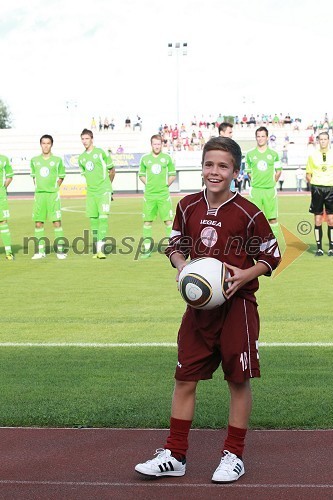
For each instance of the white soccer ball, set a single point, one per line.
(202, 283)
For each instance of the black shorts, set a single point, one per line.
(321, 196)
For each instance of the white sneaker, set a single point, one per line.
(230, 469)
(40, 255)
(62, 255)
(163, 465)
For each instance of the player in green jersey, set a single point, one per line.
(264, 169)
(6, 177)
(157, 172)
(48, 173)
(99, 173)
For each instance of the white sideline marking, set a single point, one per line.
(143, 484)
(149, 344)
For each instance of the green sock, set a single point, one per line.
(275, 229)
(6, 238)
(102, 232)
(40, 236)
(103, 226)
(59, 239)
(147, 237)
(94, 223)
(168, 230)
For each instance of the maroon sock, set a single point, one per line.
(177, 441)
(235, 440)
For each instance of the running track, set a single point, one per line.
(98, 464)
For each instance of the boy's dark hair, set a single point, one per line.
(262, 129)
(224, 125)
(46, 136)
(157, 137)
(86, 131)
(224, 144)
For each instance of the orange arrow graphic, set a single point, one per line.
(294, 249)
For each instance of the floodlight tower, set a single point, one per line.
(177, 48)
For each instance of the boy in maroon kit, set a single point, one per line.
(222, 224)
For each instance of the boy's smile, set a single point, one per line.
(218, 173)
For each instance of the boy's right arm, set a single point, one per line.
(178, 261)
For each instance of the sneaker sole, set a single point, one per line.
(228, 480)
(162, 474)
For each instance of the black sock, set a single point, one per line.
(330, 236)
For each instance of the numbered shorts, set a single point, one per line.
(98, 204)
(46, 207)
(160, 207)
(227, 337)
(266, 200)
(4, 209)
(321, 196)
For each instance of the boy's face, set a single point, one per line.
(218, 171)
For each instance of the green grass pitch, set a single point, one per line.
(123, 300)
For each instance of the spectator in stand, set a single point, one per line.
(112, 125)
(128, 122)
(93, 123)
(247, 181)
(210, 122)
(239, 181)
(106, 124)
(244, 120)
(219, 120)
(100, 124)
(175, 136)
(138, 123)
(311, 140)
(284, 158)
(272, 141)
(299, 179)
(287, 120)
(252, 120)
(202, 122)
(276, 120)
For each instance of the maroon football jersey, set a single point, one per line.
(236, 232)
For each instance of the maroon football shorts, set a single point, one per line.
(227, 335)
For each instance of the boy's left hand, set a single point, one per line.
(238, 278)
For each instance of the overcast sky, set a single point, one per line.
(110, 58)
